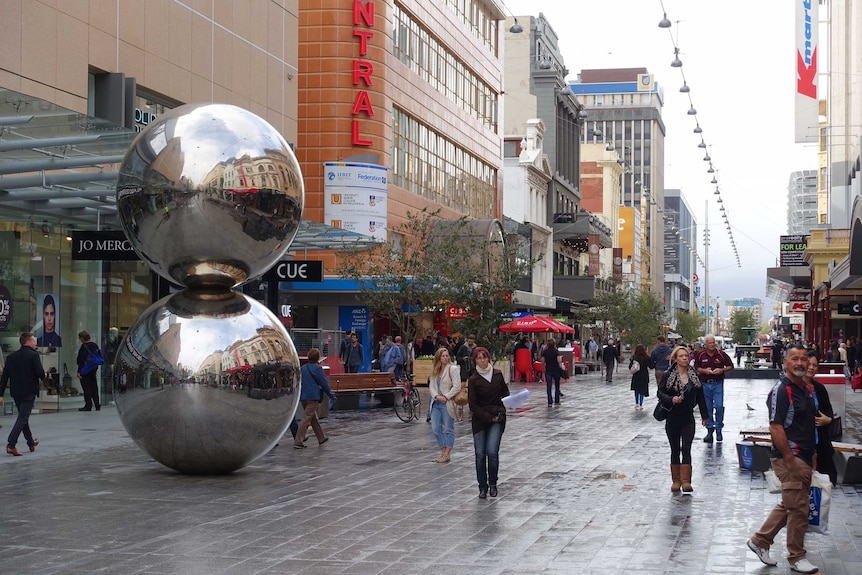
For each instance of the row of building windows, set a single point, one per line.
(639, 99)
(424, 55)
(478, 19)
(426, 163)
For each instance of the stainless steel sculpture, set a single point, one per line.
(207, 379)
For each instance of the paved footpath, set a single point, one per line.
(584, 489)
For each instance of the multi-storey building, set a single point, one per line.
(624, 108)
(535, 88)
(680, 250)
(802, 202)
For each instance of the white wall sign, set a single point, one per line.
(356, 197)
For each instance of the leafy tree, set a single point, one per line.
(635, 316)
(689, 325)
(430, 263)
(741, 318)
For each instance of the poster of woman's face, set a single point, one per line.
(49, 336)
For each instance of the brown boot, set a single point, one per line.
(674, 473)
(685, 477)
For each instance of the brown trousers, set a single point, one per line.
(309, 417)
(791, 512)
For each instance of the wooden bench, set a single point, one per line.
(349, 386)
(580, 367)
(847, 457)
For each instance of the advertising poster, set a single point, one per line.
(355, 197)
(49, 310)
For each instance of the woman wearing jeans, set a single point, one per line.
(486, 390)
(679, 391)
(443, 385)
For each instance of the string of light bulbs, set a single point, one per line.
(692, 111)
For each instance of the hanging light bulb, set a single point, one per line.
(664, 23)
(692, 111)
(677, 63)
(685, 89)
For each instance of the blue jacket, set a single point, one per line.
(660, 357)
(313, 380)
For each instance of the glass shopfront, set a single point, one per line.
(44, 291)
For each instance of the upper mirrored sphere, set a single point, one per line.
(210, 195)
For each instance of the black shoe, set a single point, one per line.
(708, 438)
(483, 491)
(492, 491)
(98, 408)
(85, 409)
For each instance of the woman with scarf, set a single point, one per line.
(679, 391)
(444, 384)
(486, 389)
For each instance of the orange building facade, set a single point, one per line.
(414, 87)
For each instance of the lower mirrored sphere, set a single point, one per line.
(206, 381)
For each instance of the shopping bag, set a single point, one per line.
(819, 500)
(772, 481)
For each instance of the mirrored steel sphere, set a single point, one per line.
(210, 195)
(206, 381)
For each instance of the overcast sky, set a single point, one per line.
(739, 63)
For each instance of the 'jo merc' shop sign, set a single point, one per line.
(105, 246)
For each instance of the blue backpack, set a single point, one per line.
(93, 361)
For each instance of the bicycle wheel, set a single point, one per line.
(415, 402)
(403, 405)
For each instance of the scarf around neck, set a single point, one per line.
(674, 383)
(486, 373)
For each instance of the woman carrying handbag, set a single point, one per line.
(444, 384)
(679, 391)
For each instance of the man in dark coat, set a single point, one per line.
(88, 380)
(24, 369)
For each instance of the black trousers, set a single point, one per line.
(91, 390)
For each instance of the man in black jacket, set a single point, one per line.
(88, 380)
(24, 369)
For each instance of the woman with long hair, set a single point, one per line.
(486, 389)
(443, 385)
(640, 374)
(679, 391)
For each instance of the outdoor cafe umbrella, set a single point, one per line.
(536, 324)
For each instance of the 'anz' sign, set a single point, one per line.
(104, 246)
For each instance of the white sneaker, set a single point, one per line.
(803, 566)
(763, 554)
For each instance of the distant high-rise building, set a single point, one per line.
(680, 246)
(755, 305)
(624, 112)
(802, 202)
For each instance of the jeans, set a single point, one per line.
(443, 425)
(680, 434)
(791, 511)
(639, 399)
(486, 445)
(24, 406)
(555, 378)
(713, 393)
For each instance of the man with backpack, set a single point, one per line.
(87, 371)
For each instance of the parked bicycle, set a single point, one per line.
(408, 404)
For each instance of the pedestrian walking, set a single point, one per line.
(609, 357)
(24, 370)
(553, 371)
(640, 375)
(679, 391)
(444, 384)
(792, 426)
(88, 380)
(313, 384)
(486, 390)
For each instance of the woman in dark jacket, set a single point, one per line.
(640, 375)
(313, 382)
(825, 414)
(553, 371)
(486, 389)
(679, 391)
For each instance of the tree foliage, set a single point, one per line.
(689, 325)
(741, 318)
(430, 263)
(633, 316)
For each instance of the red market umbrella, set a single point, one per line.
(536, 324)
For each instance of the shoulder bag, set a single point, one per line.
(660, 412)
